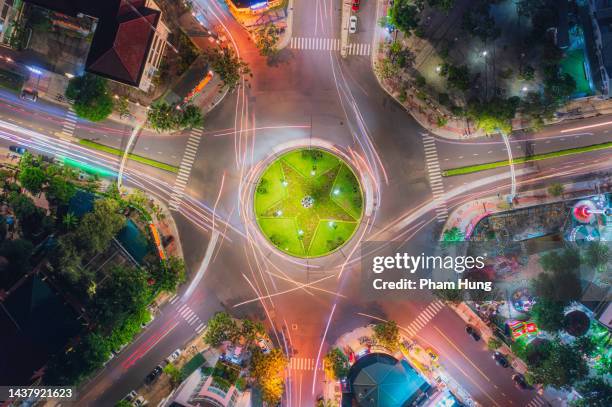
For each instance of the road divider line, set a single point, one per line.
(469, 169)
(447, 339)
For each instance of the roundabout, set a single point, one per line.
(308, 202)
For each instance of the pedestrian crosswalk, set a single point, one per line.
(537, 402)
(315, 43)
(173, 299)
(191, 318)
(304, 364)
(70, 122)
(182, 177)
(424, 317)
(435, 177)
(328, 44)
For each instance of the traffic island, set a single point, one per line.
(308, 203)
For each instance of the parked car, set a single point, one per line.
(472, 332)
(500, 359)
(353, 24)
(355, 6)
(131, 396)
(139, 402)
(18, 149)
(30, 95)
(519, 381)
(173, 356)
(154, 375)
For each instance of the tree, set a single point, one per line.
(17, 253)
(597, 256)
(250, 330)
(493, 343)
(595, 392)
(32, 220)
(386, 69)
(221, 327)
(165, 117)
(548, 314)
(562, 367)
(125, 292)
(479, 23)
(266, 39)
(405, 16)
(92, 100)
(162, 117)
(169, 273)
(453, 234)
(495, 115)
(458, 77)
(560, 282)
(175, 374)
(60, 190)
(336, 364)
(557, 85)
(122, 106)
(97, 228)
(32, 178)
(229, 67)
(69, 259)
(387, 334)
(123, 403)
(556, 189)
(268, 369)
(442, 5)
(70, 221)
(453, 295)
(191, 117)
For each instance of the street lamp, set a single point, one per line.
(438, 69)
(524, 88)
(484, 53)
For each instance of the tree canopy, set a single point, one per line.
(221, 327)
(92, 100)
(387, 334)
(268, 369)
(229, 67)
(336, 364)
(405, 15)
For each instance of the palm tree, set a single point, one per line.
(70, 221)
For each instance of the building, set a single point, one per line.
(129, 40)
(380, 380)
(600, 13)
(251, 6)
(9, 13)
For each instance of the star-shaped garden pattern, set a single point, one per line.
(308, 204)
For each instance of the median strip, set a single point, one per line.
(134, 157)
(468, 169)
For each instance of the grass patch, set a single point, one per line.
(520, 160)
(300, 195)
(133, 157)
(11, 80)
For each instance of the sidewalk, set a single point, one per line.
(467, 216)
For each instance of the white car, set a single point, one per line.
(173, 356)
(353, 24)
(131, 396)
(140, 401)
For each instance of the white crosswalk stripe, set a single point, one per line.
(536, 402)
(70, 122)
(435, 176)
(191, 150)
(304, 364)
(173, 299)
(200, 327)
(424, 317)
(327, 44)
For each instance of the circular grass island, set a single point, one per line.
(308, 203)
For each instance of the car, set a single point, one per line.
(30, 95)
(18, 149)
(140, 401)
(433, 355)
(355, 6)
(131, 396)
(519, 381)
(353, 24)
(154, 375)
(472, 332)
(500, 359)
(173, 356)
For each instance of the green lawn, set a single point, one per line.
(308, 203)
(134, 157)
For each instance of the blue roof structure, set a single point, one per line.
(380, 380)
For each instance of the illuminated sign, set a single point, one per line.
(259, 5)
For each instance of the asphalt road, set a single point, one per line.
(302, 97)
